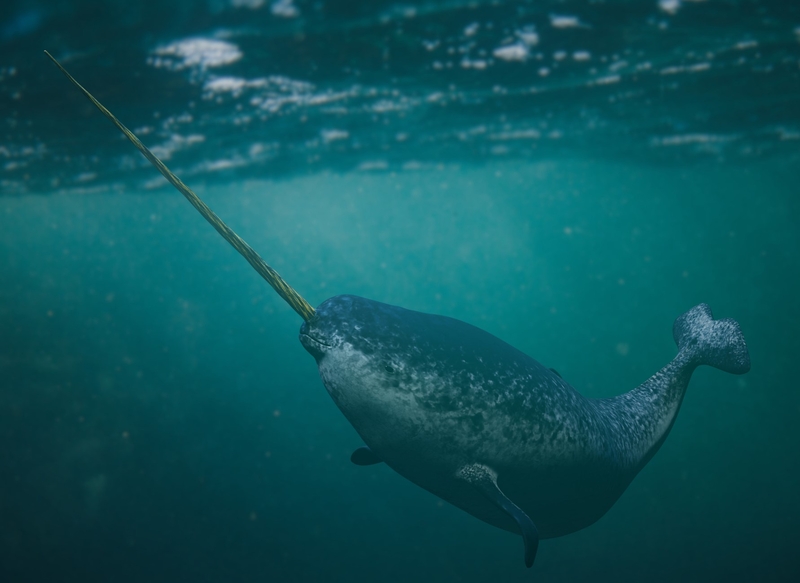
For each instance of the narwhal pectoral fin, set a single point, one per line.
(484, 479)
(364, 456)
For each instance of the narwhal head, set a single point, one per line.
(361, 346)
(339, 323)
(352, 323)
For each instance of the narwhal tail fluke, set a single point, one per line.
(294, 299)
(717, 343)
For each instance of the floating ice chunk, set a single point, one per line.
(221, 164)
(325, 98)
(471, 29)
(479, 64)
(528, 35)
(581, 55)
(516, 52)
(669, 6)
(329, 136)
(225, 84)
(176, 142)
(285, 84)
(560, 55)
(256, 149)
(195, 52)
(236, 85)
(284, 9)
(607, 80)
(565, 21)
(276, 91)
(675, 69)
(746, 44)
(233, 85)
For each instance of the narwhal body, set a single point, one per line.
(482, 425)
(472, 419)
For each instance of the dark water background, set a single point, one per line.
(570, 176)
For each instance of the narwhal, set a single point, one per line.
(475, 421)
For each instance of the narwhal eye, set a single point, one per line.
(389, 369)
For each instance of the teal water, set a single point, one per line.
(159, 420)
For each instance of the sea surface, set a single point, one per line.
(568, 175)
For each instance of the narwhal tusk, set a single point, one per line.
(284, 290)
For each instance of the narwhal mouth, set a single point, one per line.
(309, 338)
(315, 347)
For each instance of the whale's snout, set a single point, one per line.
(313, 341)
(334, 323)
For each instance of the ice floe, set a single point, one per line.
(284, 9)
(333, 135)
(566, 21)
(669, 6)
(516, 52)
(196, 52)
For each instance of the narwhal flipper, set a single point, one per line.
(484, 479)
(364, 456)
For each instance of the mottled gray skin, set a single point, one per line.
(431, 395)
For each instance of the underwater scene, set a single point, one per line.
(453, 188)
